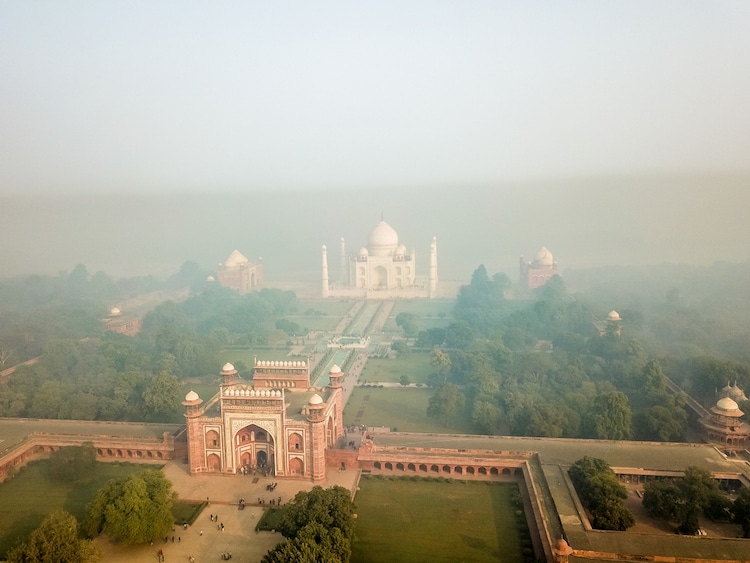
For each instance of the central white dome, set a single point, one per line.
(383, 239)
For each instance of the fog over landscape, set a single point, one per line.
(137, 138)
(587, 223)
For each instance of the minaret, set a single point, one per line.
(325, 272)
(342, 272)
(196, 454)
(433, 268)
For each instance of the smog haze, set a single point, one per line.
(137, 137)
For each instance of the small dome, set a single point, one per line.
(335, 369)
(115, 312)
(316, 400)
(544, 257)
(235, 259)
(192, 396)
(383, 239)
(400, 250)
(363, 252)
(227, 367)
(613, 316)
(727, 404)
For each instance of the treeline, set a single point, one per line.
(89, 373)
(36, 309)
(540, 367)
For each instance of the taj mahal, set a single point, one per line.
(383, 269)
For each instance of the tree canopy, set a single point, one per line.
(133, 510)
(56, 540)
(318, 525)
(601, 493)
(71, 463)
(683, 500)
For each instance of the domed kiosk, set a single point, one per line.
(724, 425)
(384, 269)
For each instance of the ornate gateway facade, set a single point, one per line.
(279, 425)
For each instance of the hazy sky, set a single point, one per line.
(161, 95)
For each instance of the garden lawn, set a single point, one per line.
(309, 324)
(400, 519)
(415, 365)
(432, 314)
(30, 496)
(403, 409)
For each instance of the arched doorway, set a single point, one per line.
(254, 450)
(380, 277)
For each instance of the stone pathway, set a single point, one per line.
(239, 536)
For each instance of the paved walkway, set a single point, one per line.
(204, 540)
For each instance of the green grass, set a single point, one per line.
(187, 511)
(424, 308)
(404, 409)
(30, 496)
(331, 308)
(270, 519)
(432, 314)
(432, 521)
(311, 323)
(415, 365)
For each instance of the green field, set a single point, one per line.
(432, 314)
(433, 521)
(328, 307)
(30, 496)
(310, 323)
(415, 365)
(404, 409)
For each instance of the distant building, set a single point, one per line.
(128, 325)
(537, 272)
(277, 426)
(238, 273)
(734, 393)
(724, 425)
(384, 269)
(611, 325)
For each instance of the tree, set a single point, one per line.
(162, 397)
(445, 403)
(741, 511)
(613, 419)
(70, 463)
(55, 541)
(313, 544)
(683, 500)
(404, 380)
(697, 490)
(601, 493)
(133, 510)
(661, 499)
(668, 422)
(332, 508)
(408, 322)
(318, 525)
(400, 346)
